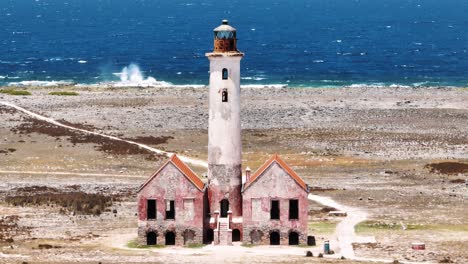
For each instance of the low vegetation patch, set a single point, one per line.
(9, 228)
(322, 227)
(64, 93)
(104, 144)
(150, 140)
(448, 167)
(14, 92)
(373, 226)
(75, 202)
(194, 245)
(247, 245)
(134, 244)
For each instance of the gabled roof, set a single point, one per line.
(183, 168)
(276, 159)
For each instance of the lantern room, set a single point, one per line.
(225, 38)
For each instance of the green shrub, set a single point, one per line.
(14, 92)
(134, 244)
(194, 245)
(64, 93)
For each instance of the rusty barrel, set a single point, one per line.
(418, 246)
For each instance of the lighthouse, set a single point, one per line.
(270, 207)
(224, 132)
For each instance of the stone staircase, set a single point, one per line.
(223, 232)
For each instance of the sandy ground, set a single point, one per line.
(366, 148)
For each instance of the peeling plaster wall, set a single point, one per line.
(171, 184)
(225, 183)
(274, 184)
(224, 133)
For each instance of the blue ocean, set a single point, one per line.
(294, 43)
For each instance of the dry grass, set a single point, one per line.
(64, 93)
(14, 92)
(76, 202)
(448, 167)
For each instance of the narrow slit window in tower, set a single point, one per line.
(275, 210)
(151, 209)
(293, 209)
(170, 209)
(224, 96)
(225, 74)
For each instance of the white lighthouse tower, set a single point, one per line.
(224, 133)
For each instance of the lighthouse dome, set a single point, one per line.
(225, 38)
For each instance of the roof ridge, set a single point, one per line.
(183, 168)
(276, 158)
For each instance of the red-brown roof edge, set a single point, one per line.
(183, 168)
(283, 165)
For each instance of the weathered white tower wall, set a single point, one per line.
(224, 132)
(225, 146)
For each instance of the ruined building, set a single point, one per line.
(175, 207)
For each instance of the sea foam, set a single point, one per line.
(131, 76)
(41, 83)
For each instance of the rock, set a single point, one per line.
(320, 255)
(446, 259)
(309, 254)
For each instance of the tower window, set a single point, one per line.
(293, 209)
(170, 209)
(151, 209)
(275, 210)
(225, 74)
(224, 96)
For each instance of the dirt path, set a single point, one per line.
(73, 174)
(54, 122)
(344, 233)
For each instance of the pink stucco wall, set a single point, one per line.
(274, 184)
(171, 184)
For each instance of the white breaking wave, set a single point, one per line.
(41, 83)
(278, 86)
(253, 78)
(131, 76)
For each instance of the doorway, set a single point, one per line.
(293, 238)
(224, 205)
(274, 238)
(151, 238)
(236, 235)
(170, 238)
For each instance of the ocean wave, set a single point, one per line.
(41, 83)
(131, 76)
(254, 78)
(278, 86)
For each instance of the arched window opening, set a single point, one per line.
(293, 238)
(274, 238)
(236, 235)
(151, 238)
(170, 238)
(225, 74)
(224, 96)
